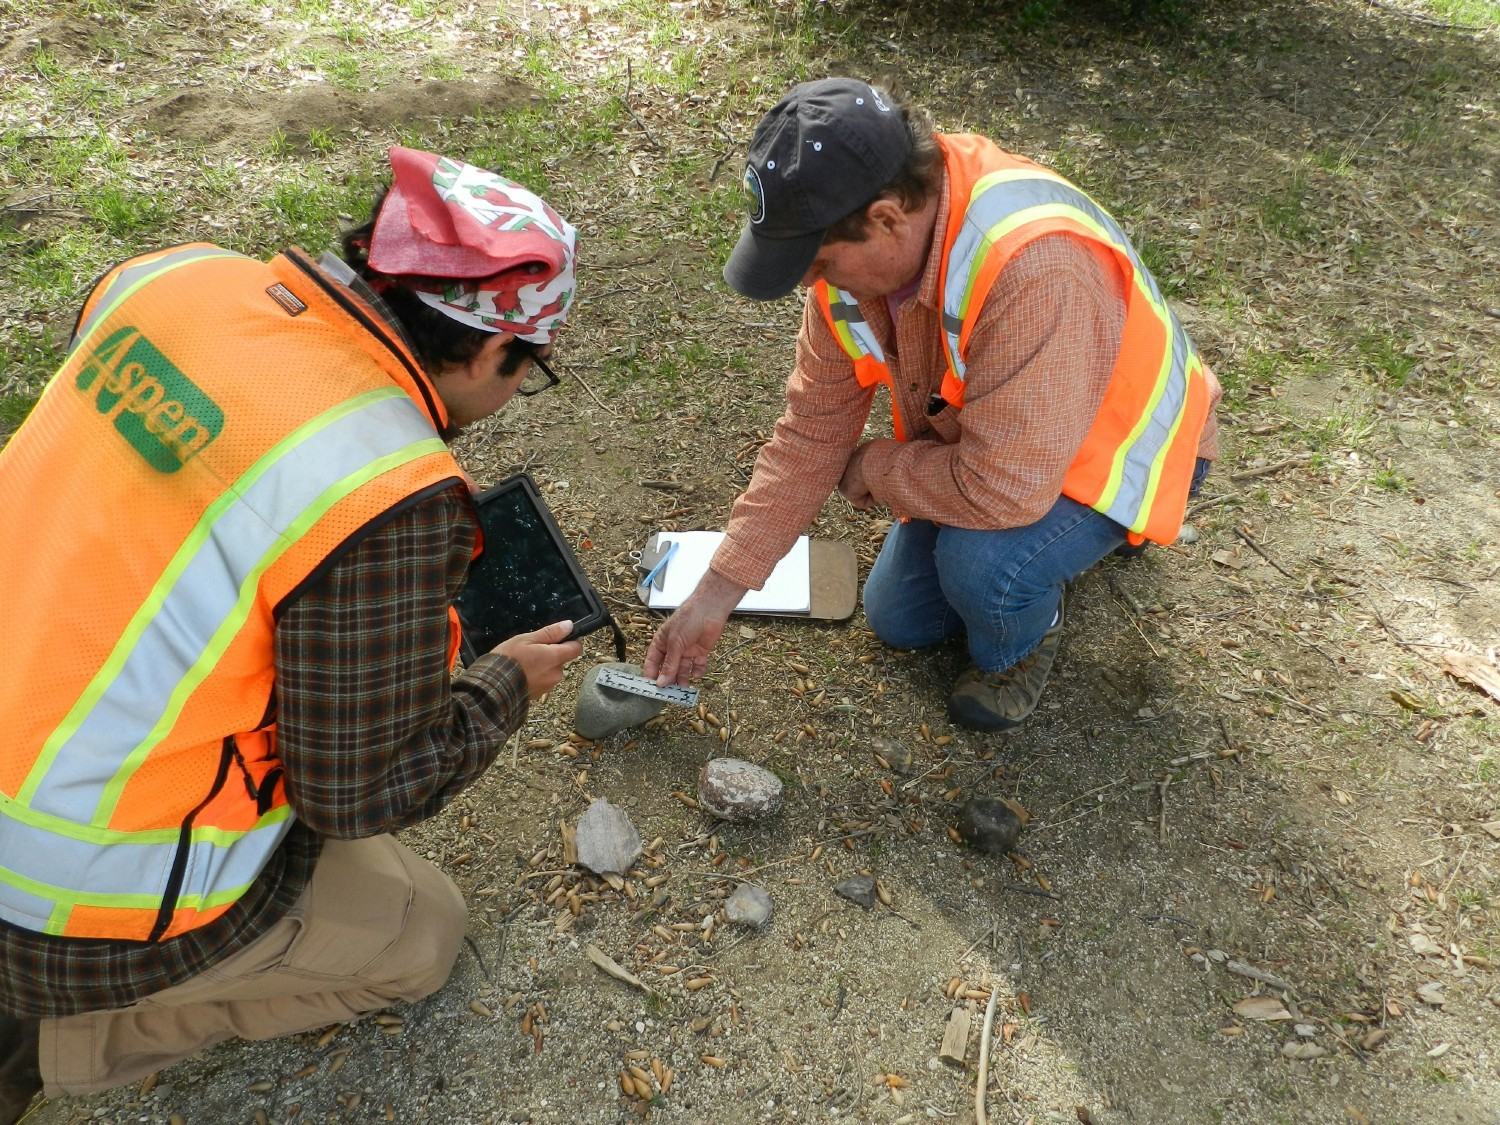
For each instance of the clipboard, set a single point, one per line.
(818, 579)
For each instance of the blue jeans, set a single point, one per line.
(1002, 587)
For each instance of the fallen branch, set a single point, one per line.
(1244, 970)
(982, 1086)
(1250, 542)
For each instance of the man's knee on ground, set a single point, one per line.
(424, 955)
(894, 628)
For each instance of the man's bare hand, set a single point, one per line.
(852, 485)
(679, 650)
(542, 656)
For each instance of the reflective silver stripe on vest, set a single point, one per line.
(40, 867)
(132, 277)
(993, 206)
(845, 310)
(205, 595)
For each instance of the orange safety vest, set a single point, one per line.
(1136, 462)
(220, 429)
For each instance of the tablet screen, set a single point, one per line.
(524, 580)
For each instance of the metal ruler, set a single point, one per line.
(639, 685)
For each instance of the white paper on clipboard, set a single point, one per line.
(787, 590)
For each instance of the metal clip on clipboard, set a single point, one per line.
(651, 565)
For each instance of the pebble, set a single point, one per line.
(602, 711)
(1188, 534)
(899, 756)
(737, 790)
(1305, 1030)
(989, 826)
(858, 889)
(749, 906)
(606, 839)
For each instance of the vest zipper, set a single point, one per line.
(184, 846)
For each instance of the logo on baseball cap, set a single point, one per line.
(827, 149)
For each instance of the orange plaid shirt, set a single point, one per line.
(1039, 360)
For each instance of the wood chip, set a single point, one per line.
(955, 1047)
(1262, 1008)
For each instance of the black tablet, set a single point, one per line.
(527, 576)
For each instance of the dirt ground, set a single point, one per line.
(1255, 787)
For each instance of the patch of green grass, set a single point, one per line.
(1385, 360)
(1475, 13)
(1390, 480)
(129, 215)
(1283, 211)
(444, 70)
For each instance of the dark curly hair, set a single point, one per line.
(438, 340)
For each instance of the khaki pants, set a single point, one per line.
(376, 925)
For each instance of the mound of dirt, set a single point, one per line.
(214, 117)
(66, 40)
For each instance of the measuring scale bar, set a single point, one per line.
(639, 685)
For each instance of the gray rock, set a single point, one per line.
(1188, 534)
(603, 711)
(737, 790)
(858, 889)
(899, 757)
(606, 839)
(749, 906)
(989, 826)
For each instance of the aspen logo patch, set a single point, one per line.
(286, 299)
(154, 406)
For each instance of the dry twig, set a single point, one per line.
(982, 1085)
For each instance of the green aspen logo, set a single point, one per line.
(154, 406)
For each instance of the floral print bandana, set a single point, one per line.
(475, 246)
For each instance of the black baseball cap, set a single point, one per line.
(826, 150)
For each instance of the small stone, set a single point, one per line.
(1217, 956)
(749, 906)
(737, 790)
(603, 711)
(858, 889)
(1188, 534)
(897, 755)
(1295, 1050)
(606, 839)
(1305, 1030)
(989, 826)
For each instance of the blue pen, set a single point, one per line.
(662, 562)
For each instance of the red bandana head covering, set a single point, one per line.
(475, 246)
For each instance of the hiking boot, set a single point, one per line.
(991, 701)
(20, 1068)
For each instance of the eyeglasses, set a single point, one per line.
(539, 377)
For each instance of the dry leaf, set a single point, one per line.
(1472, 670)
(1432, 993)
(1424, 946)
(1262, 1008)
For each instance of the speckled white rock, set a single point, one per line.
(606, 839)
(737, 790)
(749, 906)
